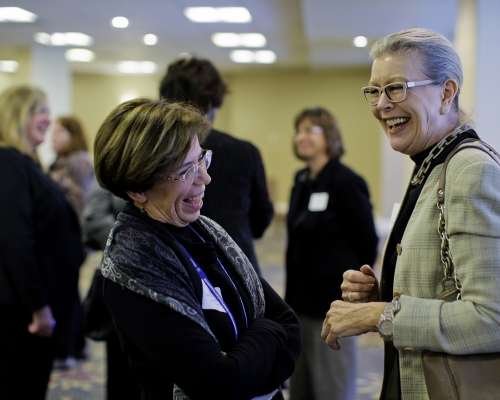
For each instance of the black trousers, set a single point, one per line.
(25, 359)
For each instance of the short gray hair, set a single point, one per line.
(440, 59)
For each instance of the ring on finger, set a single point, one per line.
(324, 330)
(349, 297)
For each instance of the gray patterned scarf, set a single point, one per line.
(139, 260)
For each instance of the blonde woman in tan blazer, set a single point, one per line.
(414, 87)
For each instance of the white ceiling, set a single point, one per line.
(303, 33)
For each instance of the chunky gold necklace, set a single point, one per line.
(436, 151)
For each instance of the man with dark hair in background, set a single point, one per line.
(237, 197)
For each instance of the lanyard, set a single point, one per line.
(230, 280)
(215, 293)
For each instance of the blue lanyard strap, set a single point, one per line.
(230, 280)
(215, 293)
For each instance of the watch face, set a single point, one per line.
(385, 327)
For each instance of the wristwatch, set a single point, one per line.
(386, 321)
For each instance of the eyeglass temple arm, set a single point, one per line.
(419, 83)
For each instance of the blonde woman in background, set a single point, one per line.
(40, 249)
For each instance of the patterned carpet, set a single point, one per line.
(87, 379)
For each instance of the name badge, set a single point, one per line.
(209, 301)
(318, 201)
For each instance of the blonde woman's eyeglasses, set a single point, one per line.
(395, 92)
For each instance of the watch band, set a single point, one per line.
(386, 322)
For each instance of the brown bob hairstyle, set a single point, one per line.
(142, 141)
(77, 133)
(322, 118)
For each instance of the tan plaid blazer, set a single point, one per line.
(473, 223)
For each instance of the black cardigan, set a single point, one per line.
(40, 245)
(165, 346)
(324, 244)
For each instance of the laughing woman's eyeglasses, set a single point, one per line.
(395, 92)
(192, 172)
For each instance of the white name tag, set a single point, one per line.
(209, 301)
(318, 201)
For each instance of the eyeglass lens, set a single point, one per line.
(192, 173)
(314, 129)
(395, 92)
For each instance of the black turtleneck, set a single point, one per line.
(407, 207)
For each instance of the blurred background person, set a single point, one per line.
(190, 311)
(98, 217)
(237, 198)
(330, 230)
(73, 172)
(40, 249)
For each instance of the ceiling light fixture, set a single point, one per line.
(119, 22)
(16, 14)
(150, 39)
(79, 55)
(360, 41)
(9, 66)
(247, 56)
(63, 39)
(220, 14)
(137, 67)
(228, 39)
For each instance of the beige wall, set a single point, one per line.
(261, 108)
(94, 96)
(23, 75)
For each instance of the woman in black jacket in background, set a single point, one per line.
(330, 230)
(40, 249)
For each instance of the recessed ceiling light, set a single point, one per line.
(360, 41)
(119, 22)
(9, 66)
(79, 55)
(150, 39)
(242, 56)
(16, 14)
(219, 14)
(265, 57)
(63, 39)
(247, 56)
(227, 39)
(42, 38)
(137, 67)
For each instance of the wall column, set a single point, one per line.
(51, 72)
(488, 66)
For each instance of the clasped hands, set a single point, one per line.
(359, 312)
